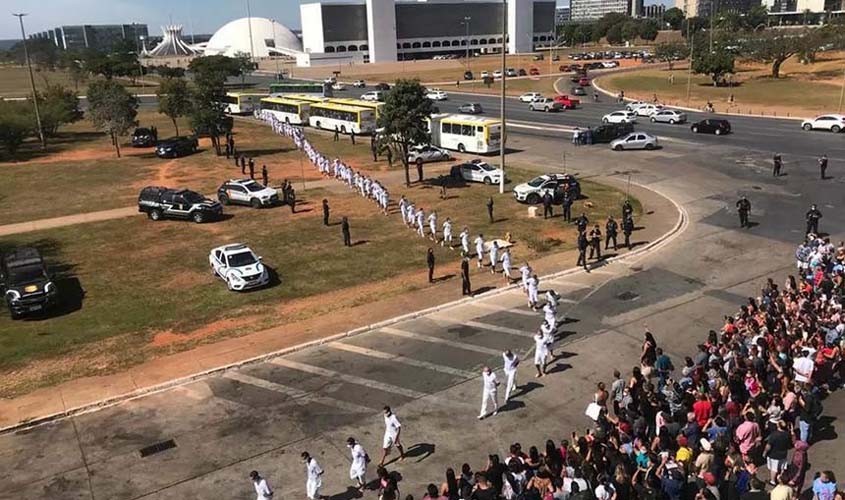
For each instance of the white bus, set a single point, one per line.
(466, 133)
(238, 103)
(346, 119)
(374, 105)
(287, 110)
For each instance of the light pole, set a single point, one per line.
(275, 58)
(689, 73)
(504, 77)
(467, 19)
(31, 82)
(842, 92)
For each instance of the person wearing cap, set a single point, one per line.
(358, 468)
(314, 476)
(684, 453)
(704, 460)
(262, 489)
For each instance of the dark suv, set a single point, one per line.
(711, 126)
(610, 131)
(143, 138)
(160, 202)
(176, 147)
(26, 285)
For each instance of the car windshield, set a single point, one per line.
(241, 259)
(487, 167)
(142, 131)
(253, 186)
(192, 197)
(25, 275)
(536, 182)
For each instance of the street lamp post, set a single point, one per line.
(504, 77)
(467, 19)
(275, 57)
(31, 82)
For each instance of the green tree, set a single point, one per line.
(756, 17)
(207, 112)
(16, 124)
(629, 30)
(43, 53)
(98, 63)
(670, 52)
(174, 99)
(58, 106)
(776, 46)
(583, 34)
(211, 72)
(112, 109)
(245, 66)
(692, 25)
(714, 64)
(614, 34)
(403, 119)
(648, 29)
(606, 22)
(674, 17)
(168, 72)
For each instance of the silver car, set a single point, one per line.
(668, 116)
(425, 154)
(470, 108)
(634, 140)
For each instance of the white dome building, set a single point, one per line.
(268, 38)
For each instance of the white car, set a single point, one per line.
(530, 96)
(359, 84)
(247, 192)
(648, 109)
(479, 171)
(238, 266)
(373, 95)
(425, 154)
(497, 73)
(533, 191)
(634, 140)
(338, 86)
(511, 72)
(671, 116)
(833, 123)
(437, 95)
(632, 106)
(485, 74)
(330, 80)
(620, 117)
(545, 104)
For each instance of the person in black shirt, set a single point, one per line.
(756, 491)
(429, 260)
(344, 227)
(595, 242)
(583, 243)
(326, 211)
(611, 228)
(490, 209)
(778, 444)
(265, 176)
(823, 167)
(743, 207)
(251, 169)
(627, 229)
(566, 204)
(243, 165)
(548, 211)
(466, 288)
(581, 223)
(777, 165)
(812, 217)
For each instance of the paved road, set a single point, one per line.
(262, 416)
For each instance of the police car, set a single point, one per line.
(238, 266)
(160, 202)
(533, 191)
(247, 192)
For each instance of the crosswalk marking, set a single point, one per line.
(501, 329)
(437, 340)
(401, 359)
(494, 307)
(352, 379)
(294, 393)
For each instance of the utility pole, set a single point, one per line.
(276, 56)
(467, 19)
(249, 26)
(31, 82)
(504, 77)
(842, 93)
(689, 73)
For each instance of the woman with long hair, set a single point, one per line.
(449, 488)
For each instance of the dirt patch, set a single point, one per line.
(170, 338)
(185, 279)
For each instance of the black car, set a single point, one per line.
(468, 75)
(609, 131)
(176, 147)
(578, 91)
(711, 126)
(26, 284)
(382, 86)
(143, 138)
(160, 202)
(522, 72)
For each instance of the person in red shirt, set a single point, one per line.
(703, 410)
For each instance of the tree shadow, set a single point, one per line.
(350, 493)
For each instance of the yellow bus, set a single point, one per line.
(242, 102)
(305, 98)
(287, 110)
(346, 119)
(466, 133)
(360, 103)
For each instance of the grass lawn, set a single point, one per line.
(14, 81)
(143, 279)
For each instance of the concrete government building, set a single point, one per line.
(390, 30)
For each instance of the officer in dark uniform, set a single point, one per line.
(336, 133)
(466, 287)
(429, 260)
(581, 223)
(777, 165)
(743, 207)
(566, 204)
(292, 198)
(547, 206)
(325, 212)
(627, 229)
(389, 156)
(344, 228)
(490, 209)
(251, 169)
(265, 176)
(823, 167)
(352, 135)
(228, 150)
(627, 210)
(374, 147)
(595, 242)
(285, 192)
(583, 243)
(611, 228)
(243, 164)
(812, 217)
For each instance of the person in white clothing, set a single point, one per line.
(358, 469)
(553, 299)
(314, 477)
(479, 249)
(511, 363)
(533, 285)
(432, 224)
(447, 233)
(548, 332)
(506, 265)
(526, 273)
(541, 352)
(392, 429)
(494, 256)
(465, 241)
(549, 315)
(411, 213)
(421, 223)
(262, 489)
(489, 387)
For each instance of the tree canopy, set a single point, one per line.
(112, 109)
(403, 119)
(174, 99)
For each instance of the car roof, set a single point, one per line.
(234, 247)
(241, 181)
(23, 256)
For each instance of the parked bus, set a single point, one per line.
(287, 110)
(360, 103)
(238, 103)
(466, 133)
(314, 89)
(346, 119)
(304, 98)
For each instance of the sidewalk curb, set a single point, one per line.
(664, 239)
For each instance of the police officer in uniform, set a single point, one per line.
(490, 209)
(344, 228)
(251, 168)
(429, 260)
(611, 228)
(566, 204)
(823, 167)
(466, 288)
(595, 242)
(627, 210)
(292, 198)
(325, 212)
(777, 165)
(743, 207)
(243, 164)
(812, 217)
(583, 243)
(336, 133)
(581, 223)
(548, 211)
(265, 176)
(627, 229)
(285, 191)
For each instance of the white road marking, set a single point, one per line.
(437, 340)
(494, 307)
(401, 359)
(501, 329)
(352, 379)
(294, 393)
